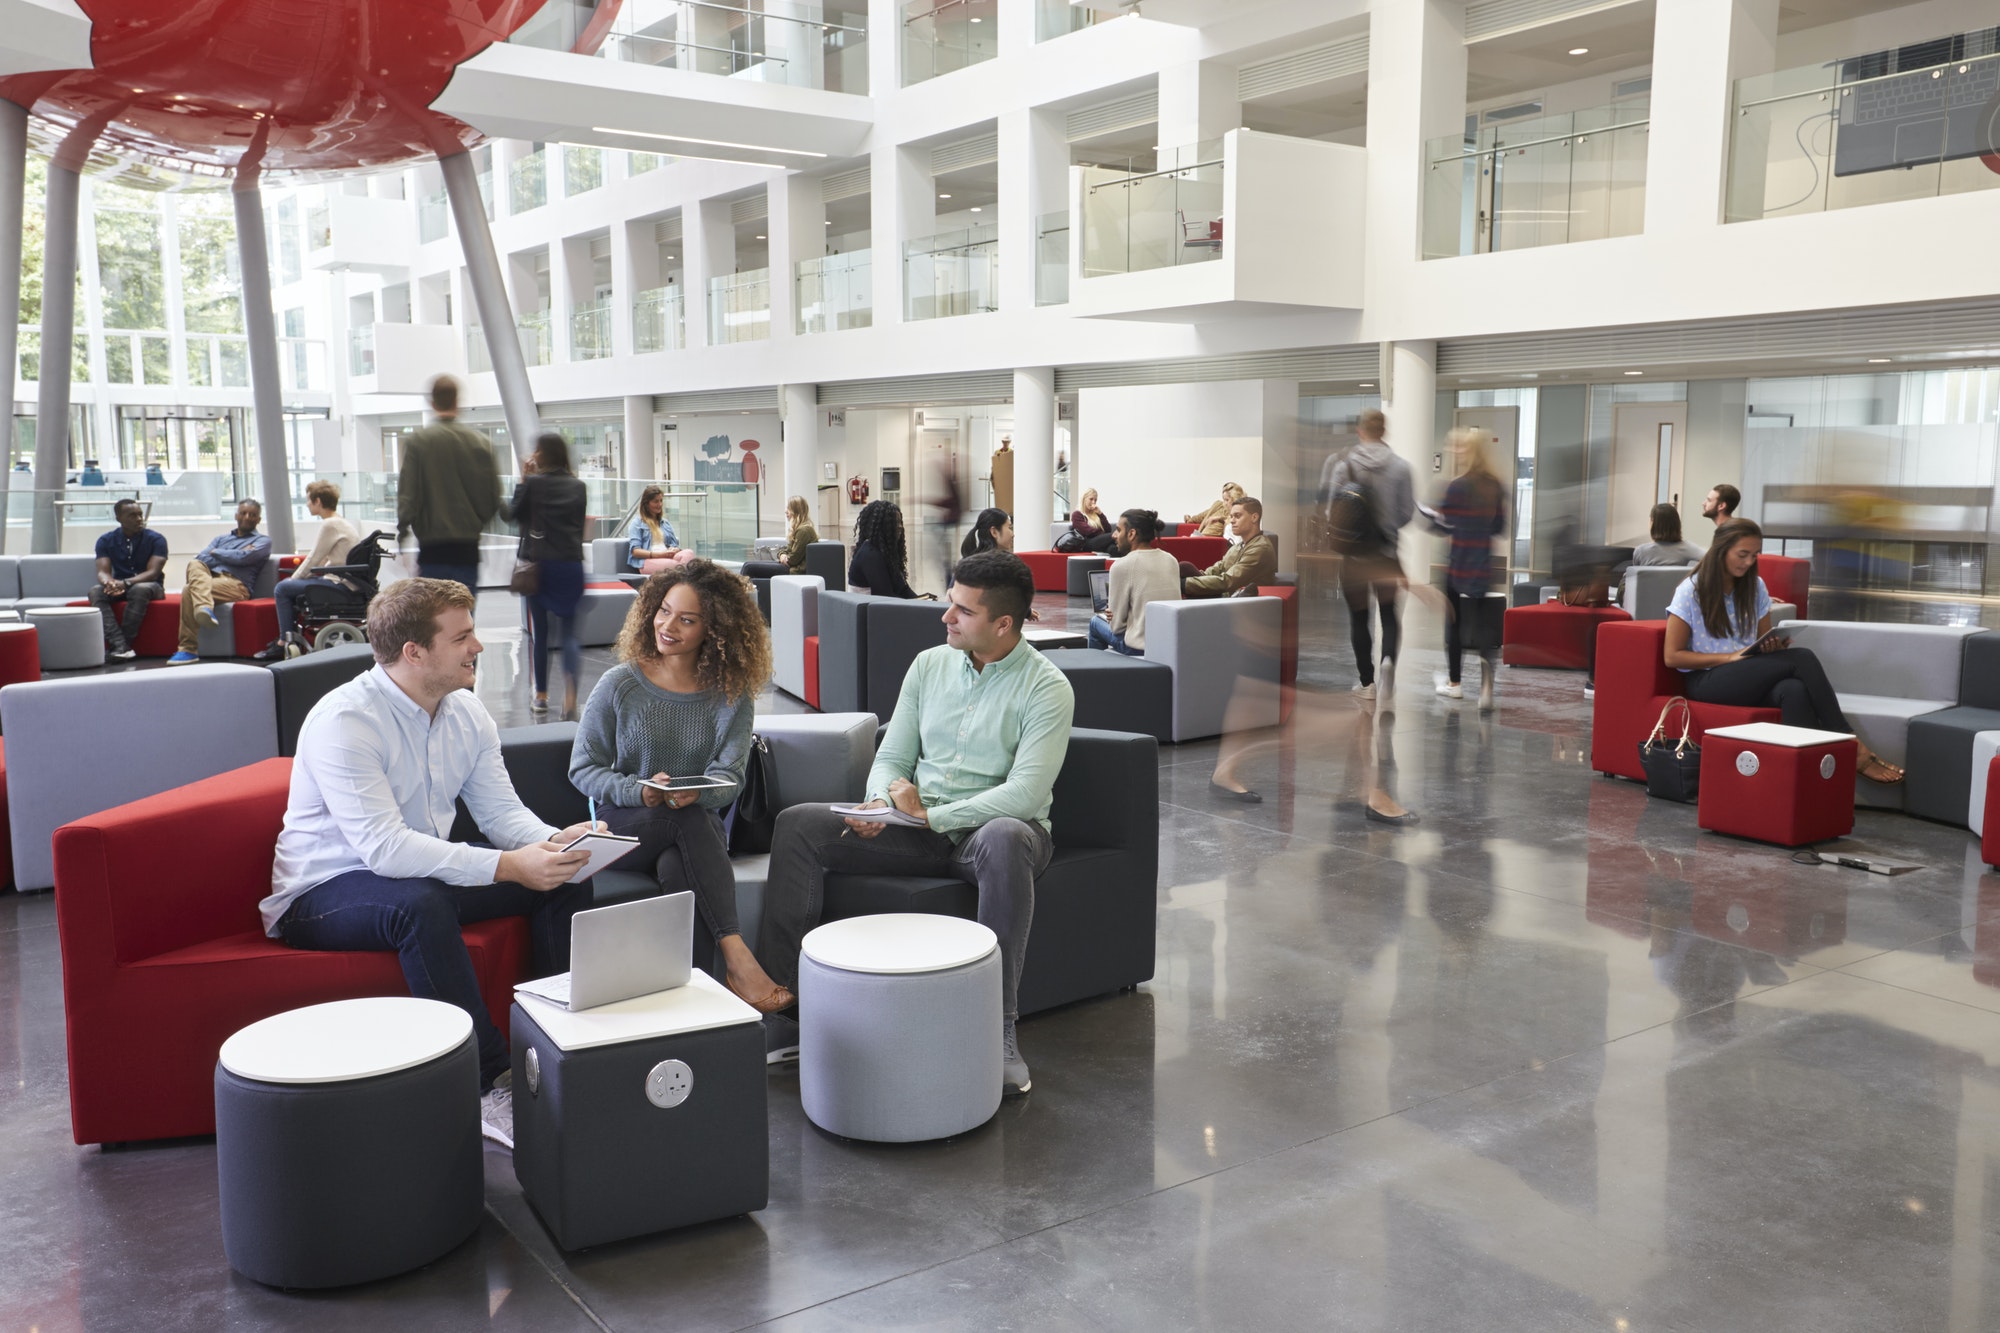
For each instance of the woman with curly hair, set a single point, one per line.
(680, 703)
(881, 563)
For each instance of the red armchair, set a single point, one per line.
(1201, 552)
(1633, 685)
(1550, 634)
(1788, 578)
(164, 956)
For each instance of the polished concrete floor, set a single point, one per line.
(1551, 1059)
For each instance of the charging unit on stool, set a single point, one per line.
(640, 1116)
(1786, 785)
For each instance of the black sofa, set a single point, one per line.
(866, 645)
(1096, 906)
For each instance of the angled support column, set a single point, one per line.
(266, 395)
(58, 330)
(489, 296)
(13, 182)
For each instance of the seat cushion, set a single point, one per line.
(1883, 724)
(1050, 568)
(1118, 693)
(1897, 661)
(1940, 753)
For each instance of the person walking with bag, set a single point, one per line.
(1373, 496)
(1473, 513)
(549, 506)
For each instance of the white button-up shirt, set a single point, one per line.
(374, 786)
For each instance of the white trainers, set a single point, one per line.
(1451, 691)
(496, 1112)
(1365, 693)
(1387, 677)
(1014, 1078)
(1589, 690)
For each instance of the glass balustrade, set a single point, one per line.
(301, 364)
(361, 350)
(537, 338)
(583, 170)
(836, 292)
(1855, 132)
(739, 307)
(1160, 218)
(433, 217)
(953, 273)
(319, 226)
(1579, 176)
(1059, 18)
(528, 182)
(590, 331)
(659, 322)
(531, 330)
(940, 36)
(1052, 259)
(804, 45)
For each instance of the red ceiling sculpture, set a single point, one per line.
(268, 85)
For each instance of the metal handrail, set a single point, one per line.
(1537, 143)
(782, 18)
(1963, 66)
(908, 19)
(1165, 171)
(697, 46)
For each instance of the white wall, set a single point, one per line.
(1170, 447)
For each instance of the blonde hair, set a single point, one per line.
(1478, 463)
(408, 612)
(1085, 500)
(1232, 492)
(796, 512)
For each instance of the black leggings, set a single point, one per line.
(1790, 680)
(1462, 605)
(764, 569)
(685, 849)
(1104, 543)
(1356, 591)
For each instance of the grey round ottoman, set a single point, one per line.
(899, 1027)
(72, 637)
(347, 1141)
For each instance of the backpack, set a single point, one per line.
(1351, 525)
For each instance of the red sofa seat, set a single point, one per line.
(164, 956)
(1989, 838)
(1788, 579)
(254, 624)
(160, 632)
(1288, 644)
(812, 670)
(1050, 568)
(1633, 684)
(1201, 552)
(1550, 634)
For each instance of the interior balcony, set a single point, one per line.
(360, 234)
(1249, 224)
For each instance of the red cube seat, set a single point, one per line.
(1633, 684)
(1050, 568)
(1553, 635)
(1786, 785)
(812, 670)
(1989, 839)
(254, 623)
(1201, 552)
(164, 955)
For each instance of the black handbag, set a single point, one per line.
(1673, 768)
(754, 814)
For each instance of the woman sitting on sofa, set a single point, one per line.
(799, 534)
(680, 703)
(1090, 529)
(1214, 520)
(652, 543)
(881, 563)
(1720, 618)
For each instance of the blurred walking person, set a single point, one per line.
(549, 506)
(1473, 513)
(447, 492)
(1374, 496)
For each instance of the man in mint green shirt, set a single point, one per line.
(972, 753)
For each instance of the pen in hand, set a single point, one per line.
(593, 812)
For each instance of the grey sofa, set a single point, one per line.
(1941, 744)
(1223, 652)
(609, 560)
(794, 619)
(1887, 676)
(829, 561)
(1118, 693)
(866, 645)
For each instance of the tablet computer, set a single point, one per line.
(700, 782)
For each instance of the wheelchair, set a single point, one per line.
(328, 614)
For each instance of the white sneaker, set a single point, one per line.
(1589, 691)
(121, 654)
(496, 1112)
(1366, 693)
(1387, 677)
(1451, 691)
(1014, 1078)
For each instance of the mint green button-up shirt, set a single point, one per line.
(981, 745)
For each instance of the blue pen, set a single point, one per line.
(593, 812)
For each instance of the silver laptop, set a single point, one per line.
(1100, 590)
(624, 950)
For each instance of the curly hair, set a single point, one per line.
(735, 655)
(882, 524)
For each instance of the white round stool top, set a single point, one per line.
(347, 1039)
(47, 612)
(8, 620)
(899, 942)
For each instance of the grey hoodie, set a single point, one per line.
(1373, 464)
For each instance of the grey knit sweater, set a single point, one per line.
(632, 729)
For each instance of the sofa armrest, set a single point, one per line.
(1108, 793)
(168, 871)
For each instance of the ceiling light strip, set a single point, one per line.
(707, 143)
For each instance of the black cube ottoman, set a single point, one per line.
(1118, 693)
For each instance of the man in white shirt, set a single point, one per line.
(364, 860)
(1142, 574)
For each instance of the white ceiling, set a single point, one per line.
(1536, 58)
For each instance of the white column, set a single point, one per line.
(625, 285)
(1034, 180)
(902, 206)
(885, 47)
(1034, 457)
(260, 326)
(1416, 92)
(1409, 400)
(708, 241)
(800, 405)
(639, 460)
(489, 293)
(797, 231)
(1197, 103)
(13, 187)
(58, 323)
(1700, 49)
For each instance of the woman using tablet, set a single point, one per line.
(1717, 623)
(692, 657)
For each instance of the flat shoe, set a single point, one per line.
(1407, 817)
(1230, 794)
(775, 1001)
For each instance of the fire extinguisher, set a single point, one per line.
(857, 489)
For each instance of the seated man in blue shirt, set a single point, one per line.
(225, 571)
(131, 565)
(365, 860)
(979, 733)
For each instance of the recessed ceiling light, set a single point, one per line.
(1878, 360)
(1579, 50)
(1368, 386)
(1635, 372)
(944, 196)
(978, 20)
(760, 236)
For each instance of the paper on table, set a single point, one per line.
(879, 814)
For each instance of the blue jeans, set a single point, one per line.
(1103, 636)
(420, 920)
(466, 574)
